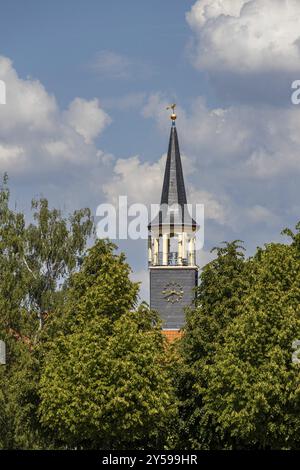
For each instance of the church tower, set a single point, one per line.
(171, 246)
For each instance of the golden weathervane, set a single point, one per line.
(173, 115)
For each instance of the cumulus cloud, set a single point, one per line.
(28, 104)
(244, 164)
(137, 180)
(241, 141)
(87, 118)
(202, 126)
(11, 156)
(246, 35)
(44, 145)
(214, 209)
(246, 149)
(142, 183)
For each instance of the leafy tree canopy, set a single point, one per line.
(243, 389)
(105, 383)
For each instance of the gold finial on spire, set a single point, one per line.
(173, 115)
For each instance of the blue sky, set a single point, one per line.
(85, 119)
(57, 43)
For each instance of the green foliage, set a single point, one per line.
(12, 273)
(88, 368)
(35, 264)
(254, 389)
(218, 297)
(102, 287)
(105, 384)
(243, 390)
(36, 261)
(54, 250)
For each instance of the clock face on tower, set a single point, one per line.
(173, 292)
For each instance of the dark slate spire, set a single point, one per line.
(173, 191)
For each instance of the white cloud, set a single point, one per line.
(202, 126)
(11, 155)
(27, 103)
(247, 151)
(240, 141)
(142, 183)
(214, 209)
(48, 147)
(87, 118)
(205, 10)
(246, 35)
(244, 163)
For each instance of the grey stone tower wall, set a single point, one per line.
(172, 314)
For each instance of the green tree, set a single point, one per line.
(252, 398)
(36, 261)
(105, 383)
(13, 277)
(242, 389)
(222, 286)
(54, 249)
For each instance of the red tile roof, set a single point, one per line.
(171, 335)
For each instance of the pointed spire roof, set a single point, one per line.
(173, 191)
